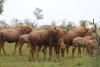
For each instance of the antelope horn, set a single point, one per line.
(84, 25)
(94, 26)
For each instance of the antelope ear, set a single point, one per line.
(65, 32)
(87, 29)
(28, 27)
(55, 28)
(45, 28)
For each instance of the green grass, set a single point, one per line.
(11, 60)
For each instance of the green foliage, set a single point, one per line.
(3, 24)
(63, 25)
(84, 23)
(1, 6)
(44, 26)
(96, 62)
(16, 22)
(37, 13)
(31, 23)
(67, 25)
(91, 23)
(71, 25)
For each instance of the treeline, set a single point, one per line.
(64, 24)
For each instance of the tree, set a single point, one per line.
(70, 25)
(67, 24)
(37, 13)
(3, 24)
(16, 22)
(1, 6)
(84, 23)
(30, 23)
(63, 25)
(43, 26)
(53, 23)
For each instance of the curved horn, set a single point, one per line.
(94, 26)
(95, 29)
(84, 25)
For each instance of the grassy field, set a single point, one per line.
(11, 60)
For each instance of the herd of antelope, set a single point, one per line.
(50, 37)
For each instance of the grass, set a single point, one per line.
(11, 60)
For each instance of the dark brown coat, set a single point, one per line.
(47, 37)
